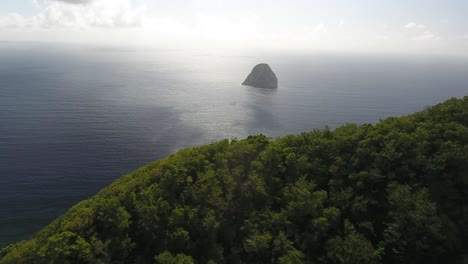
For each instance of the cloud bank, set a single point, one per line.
(212, 24)
(79, 14)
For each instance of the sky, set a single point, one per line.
(386, 26)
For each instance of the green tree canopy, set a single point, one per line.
(393, 192)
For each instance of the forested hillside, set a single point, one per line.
(394, 192)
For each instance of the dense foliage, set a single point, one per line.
(394, 192)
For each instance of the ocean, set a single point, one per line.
(75, 118)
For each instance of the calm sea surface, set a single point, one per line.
(73, 119)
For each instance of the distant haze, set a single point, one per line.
(388, 26)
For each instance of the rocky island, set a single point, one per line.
(262, 77)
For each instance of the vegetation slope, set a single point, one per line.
(394, 192)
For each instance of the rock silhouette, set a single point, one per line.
(262, 77)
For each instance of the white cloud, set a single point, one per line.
(79, 14)
(427, 35)
(320, 28)
(14, 20)
(415, 25)
(76, 2)
(464, 36)
(422, 32)
(341, 24)
(36, 3)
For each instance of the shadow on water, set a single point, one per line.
(62, 139)
(261, 104)
(72, 155)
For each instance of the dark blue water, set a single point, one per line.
(73, 119)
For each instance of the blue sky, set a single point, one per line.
(399, 26)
